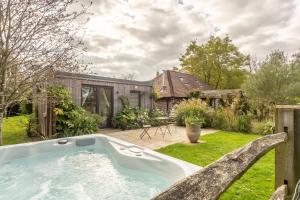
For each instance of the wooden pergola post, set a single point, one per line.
(287, 158)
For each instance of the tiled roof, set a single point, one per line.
(177, 84)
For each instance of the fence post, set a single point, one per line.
(287, 158)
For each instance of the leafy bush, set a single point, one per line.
(240, 105)
(31, 129)
(263, 128)
(77, 122)
(226, 119)
(153, 115)
(194, 120)
(243, 123)
(130, 118)
(71, 119)
(195, 94)
(25, 108)
(220, 120)
(193, 107)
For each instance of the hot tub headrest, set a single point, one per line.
(85, 141)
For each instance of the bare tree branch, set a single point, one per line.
(37, 37)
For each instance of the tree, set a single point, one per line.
(129, 76)
(218, 63)
(36, 37)
(277, 81)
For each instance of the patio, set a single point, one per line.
(157, 141)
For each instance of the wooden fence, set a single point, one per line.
(210, 182)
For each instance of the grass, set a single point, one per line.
(257, 182)
(14, 130)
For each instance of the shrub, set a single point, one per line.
(194, 120)
(153, 115)
(193, 107)
(263, 128)
(243, 123)
(77, 122)
(226, 119)
(25, 108)
(195, 94)
(130, 118)
(71, 119)
(219, 119)
(31, 128)
(240, 105)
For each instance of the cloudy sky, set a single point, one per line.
(143, 36)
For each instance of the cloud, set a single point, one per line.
(142, 37)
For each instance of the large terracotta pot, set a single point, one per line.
(193, 132)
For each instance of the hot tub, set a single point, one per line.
(86, 168)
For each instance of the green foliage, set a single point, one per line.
(226, 119)
(218, 63)
(195, 94)
(233, 118)
(153, 115)
(133, 118)
(155, 95)
(71, 119)
(277, 81)
(195, 108)
(77, 122)
(240, 105)
(25, 108)
(263, 128)
(130, 118)
(32, 126)
(220, 119)
(194, 120)
(256, 184)
(243, 123)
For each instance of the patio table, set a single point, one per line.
(165, 121)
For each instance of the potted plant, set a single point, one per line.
(193, 127)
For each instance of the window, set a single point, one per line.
(88, 98)
(135, 99)
(98, 99)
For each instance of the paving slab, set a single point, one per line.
(178, 135)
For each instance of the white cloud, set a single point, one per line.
(142, 37)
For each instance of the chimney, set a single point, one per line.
(157, 73)
(164, 87)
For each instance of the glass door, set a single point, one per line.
(89, 98)
(98, 99)
(105, 105)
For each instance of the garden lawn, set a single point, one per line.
(14, 130)
(257, 183)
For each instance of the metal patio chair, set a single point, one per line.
(171, 121)
(145, 128)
